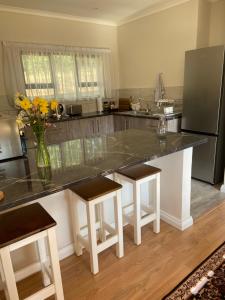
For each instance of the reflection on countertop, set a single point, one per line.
(131, 113)
(150, 115)
(79, 159)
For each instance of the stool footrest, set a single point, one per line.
(108, 243)
(144, 220)
(83, 242)
(147, 209)
(148, 219)
(109, 228)
(43, 294)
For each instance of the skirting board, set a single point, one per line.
(177, 223)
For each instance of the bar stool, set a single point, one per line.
(19, 228)
(136, 175)
(93, 193)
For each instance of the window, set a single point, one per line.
(65, 76)
(63, 72)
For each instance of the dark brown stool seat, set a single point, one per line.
(22, 227)
(93, 188)
(23, 222)
(138, 172)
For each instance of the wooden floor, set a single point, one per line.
(147, 271)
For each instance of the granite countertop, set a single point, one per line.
(82, 116)
(142, 114)
(129, 113)
(80, 159)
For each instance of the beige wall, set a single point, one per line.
(204, 9)
(27, 28)
(147, 46)
(157, 43)
(217, 23)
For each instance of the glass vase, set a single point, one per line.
(42, 154)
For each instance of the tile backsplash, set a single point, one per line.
(147, 95)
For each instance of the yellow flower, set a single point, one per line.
(54, 105)
(43, 102)
(36, 101)
(25, 104)
(43, 109)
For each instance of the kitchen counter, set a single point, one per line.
(79, 159)
(76, 159)
(139, 114)
(82, 116)
(142, 114)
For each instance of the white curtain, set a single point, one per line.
(62, 72)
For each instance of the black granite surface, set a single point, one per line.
(78, 117)
(80, 159)
(146, 115)
(130, 113)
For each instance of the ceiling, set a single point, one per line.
(112, 12)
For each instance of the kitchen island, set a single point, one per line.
(83, 158)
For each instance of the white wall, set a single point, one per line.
(157, 43)
(217, 23)
(204, 9)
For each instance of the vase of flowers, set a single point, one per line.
(34, 113)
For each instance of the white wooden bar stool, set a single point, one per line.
(142, 214)
(19, 228)
(93, 193)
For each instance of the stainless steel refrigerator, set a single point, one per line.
(204, 110)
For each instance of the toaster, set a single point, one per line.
(73, 109)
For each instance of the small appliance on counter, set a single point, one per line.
(73, 109)
(106, 106)
(10, 143)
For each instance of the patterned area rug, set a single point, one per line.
(206, 282)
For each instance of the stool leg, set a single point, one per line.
(73, 205)
(101, 219)
(92, 237)
(137, 213)
(56, 274)
(3, 281)
(43, 261)
(156, 223)
(118, 224)
(9, 274)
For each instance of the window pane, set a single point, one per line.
(88, 67)
(39, 92)
(64, 71)
(36, 69)
(37, 75)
